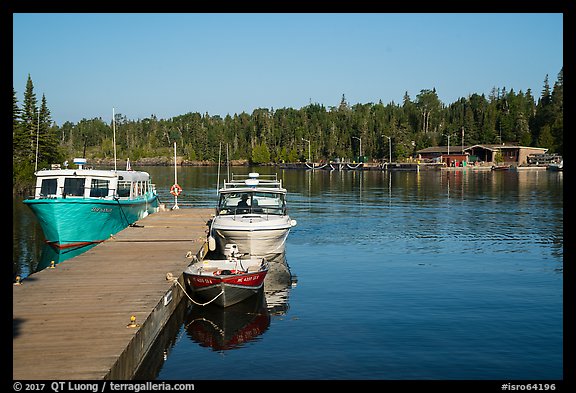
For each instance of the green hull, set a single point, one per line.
(67, 222)
(51, 254)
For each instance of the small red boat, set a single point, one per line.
(226, 281)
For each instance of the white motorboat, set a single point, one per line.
(557, 166)
(252, 213)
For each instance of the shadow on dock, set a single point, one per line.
(16, 323)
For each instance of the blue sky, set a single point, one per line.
(171, 64)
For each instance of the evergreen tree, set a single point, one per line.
(343, 104)
(16, 111)
(48, 151)
(521, 130)
(557, 120)
(19, 137)
(545, 138)
(30, 120)
(546, 97)
(268, 135)
(260, 154)
(544, 118)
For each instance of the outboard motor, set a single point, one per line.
(231, 251)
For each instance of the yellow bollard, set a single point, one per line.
(52, 265)
(17, 281)
(132, 323)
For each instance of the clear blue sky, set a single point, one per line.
(171, 64)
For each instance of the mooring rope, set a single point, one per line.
(122, 211)
(175, 280)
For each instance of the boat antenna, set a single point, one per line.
(227, 161)
(114, 136)
(218, 177)
(37, 137)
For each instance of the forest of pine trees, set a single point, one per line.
(276, 135)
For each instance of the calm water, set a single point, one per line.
(407, 276)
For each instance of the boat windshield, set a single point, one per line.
(254, 202)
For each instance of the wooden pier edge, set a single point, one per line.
(71, 322)
(137, 349)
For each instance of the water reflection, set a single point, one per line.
(476, 257)
(31, 253)
(225, 328)
(222, 328)
(51, 255)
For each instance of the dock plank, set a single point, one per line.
(71, 322)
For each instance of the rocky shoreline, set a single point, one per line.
(160, 161)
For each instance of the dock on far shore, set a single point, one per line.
(74, 322)
(364, 166)
(398, 166)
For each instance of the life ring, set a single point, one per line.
(175, 189)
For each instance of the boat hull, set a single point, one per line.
(71, 222)
(226, 291)
(264, 238)
(219, 282)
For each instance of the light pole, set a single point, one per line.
(360, 139)
(448, 158)
(306, 140)
(389, 144)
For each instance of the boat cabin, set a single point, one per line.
(254, 194)
(91, 183)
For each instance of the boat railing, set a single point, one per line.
(266, 181)
(243, 177)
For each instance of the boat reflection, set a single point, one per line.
(222, 328)
(232, 327)
(51, 254)
(278, 284)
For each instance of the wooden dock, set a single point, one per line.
(71, 322)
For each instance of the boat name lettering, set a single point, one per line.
(202, 280)
(102, 210)
(248, 278)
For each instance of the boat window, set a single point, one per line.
(258, 202)
(124, 188)
(74, 186)
(99, 188)
(49, 187)
(269, 202)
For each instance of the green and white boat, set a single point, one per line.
(84, 206)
